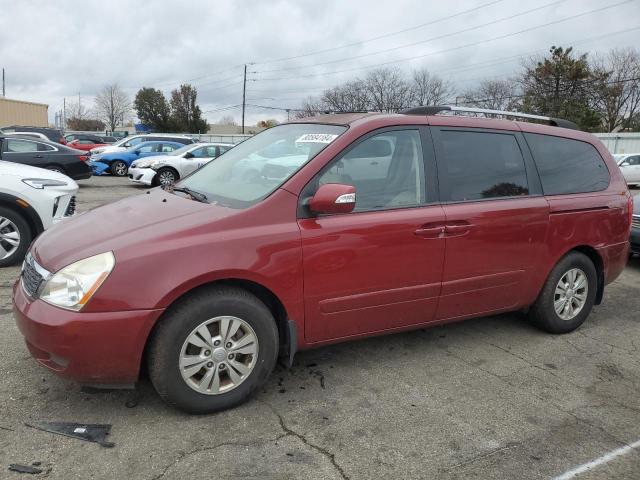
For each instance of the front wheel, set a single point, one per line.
(166, 177)
(15, 237)
(119, 168)
(567, 296)
(212, 350)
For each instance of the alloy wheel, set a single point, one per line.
(121, 169)
(571, 294)
(166, 178)
(9, 238)
(218, 355)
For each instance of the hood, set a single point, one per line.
(152, 158)
(141, 223)
(107, 149)
(26, 171)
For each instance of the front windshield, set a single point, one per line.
(181, 150)
(252, 170)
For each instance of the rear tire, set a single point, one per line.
(13, 228)
(185, 365)
(119, 168)
(568, 295)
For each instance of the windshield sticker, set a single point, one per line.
(317, 138)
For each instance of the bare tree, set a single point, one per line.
(388, 90)
(353, 96)
(78, 111)
(429, 89)
(616, 91)
(112, 105)
(227, 120)
(310, 107)
(492, 94)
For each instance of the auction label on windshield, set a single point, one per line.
(317, 138)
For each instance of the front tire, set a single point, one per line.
(212, 350)
(119, 168)
(166, 177)
(567, 296)
(15, 237)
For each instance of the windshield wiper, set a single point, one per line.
(198, 196)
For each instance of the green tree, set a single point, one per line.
(185, 112)
(560, 86)
(153, 109)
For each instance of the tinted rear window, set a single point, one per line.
(481, 165)
(567, 166)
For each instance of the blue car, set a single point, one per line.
(118, 163)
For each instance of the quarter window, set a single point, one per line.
(567, 166)
(387, 171)
(481, 165)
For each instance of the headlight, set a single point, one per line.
(74, 285)
(40, 183)
(142, 164)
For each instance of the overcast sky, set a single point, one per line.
(56, 49)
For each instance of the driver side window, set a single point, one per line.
(386, 169)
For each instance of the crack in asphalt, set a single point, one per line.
(209, 448)
(288, 431)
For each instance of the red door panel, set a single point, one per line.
(367, 272)
(491, 249)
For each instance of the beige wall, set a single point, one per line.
(17, 112)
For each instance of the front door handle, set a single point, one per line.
(39, 156)
(430, 231)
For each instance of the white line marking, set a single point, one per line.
(607, 457)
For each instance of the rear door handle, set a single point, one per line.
(430, 231)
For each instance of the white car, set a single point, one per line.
(629, 164)
(41, 136)
(31, 200)
(168, 169)
(128, 142)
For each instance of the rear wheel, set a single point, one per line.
(119, 168)
(567, 296)
(15, 237)
(212, 350)
(166, 177)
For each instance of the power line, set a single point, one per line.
(460, 47)
(438, 37)
(386, 35)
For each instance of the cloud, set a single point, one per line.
(53, 50)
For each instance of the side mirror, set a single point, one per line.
(624, 164)
(333, 198)
(188, 155)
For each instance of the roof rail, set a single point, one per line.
(432, 110)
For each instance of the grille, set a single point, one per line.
(31, 279)
(635, 221)
(71, 208)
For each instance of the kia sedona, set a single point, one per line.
(356, 225)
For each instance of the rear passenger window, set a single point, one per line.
(567, 166)
(481, 165)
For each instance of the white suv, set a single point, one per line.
(31, 200)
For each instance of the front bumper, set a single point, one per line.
(99, 168)
(142, 175)
(103, 348)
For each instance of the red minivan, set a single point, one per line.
(323, 230)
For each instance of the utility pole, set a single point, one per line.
(244, 94)
(64, 113)
(3, 92)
